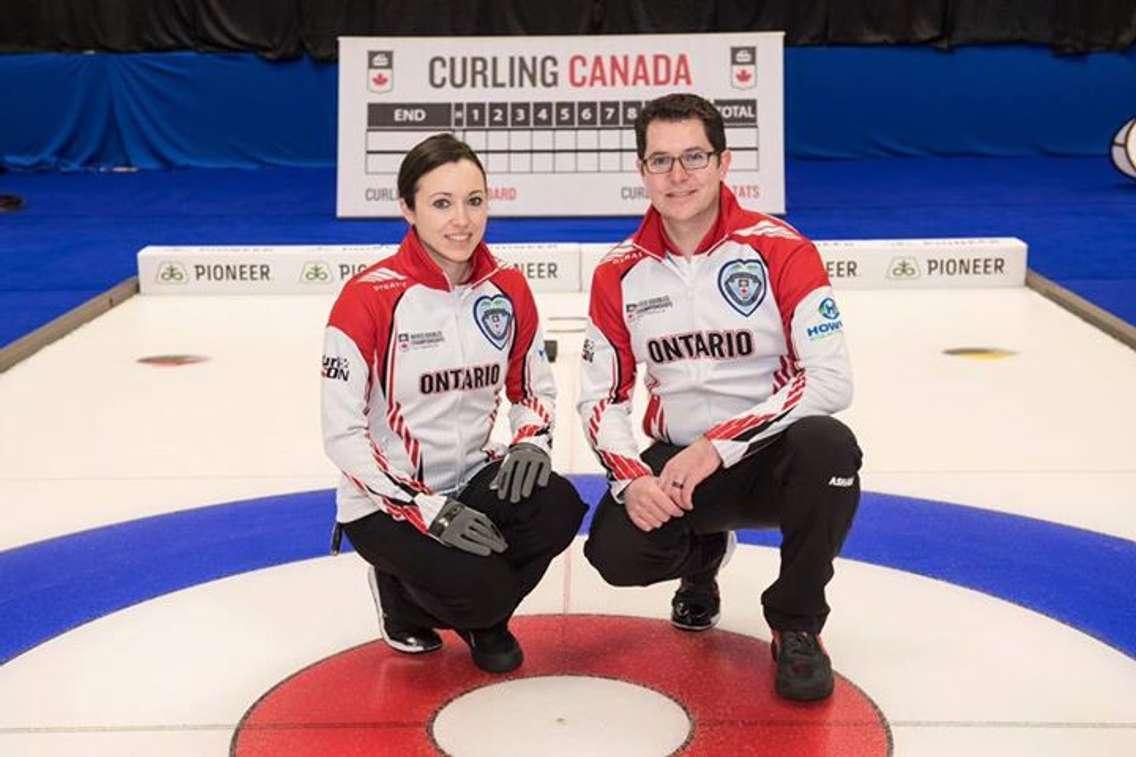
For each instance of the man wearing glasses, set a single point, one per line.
(732, 314)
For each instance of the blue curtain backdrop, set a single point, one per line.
(158, 110)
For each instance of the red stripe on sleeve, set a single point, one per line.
(795, 270)
(606, 312)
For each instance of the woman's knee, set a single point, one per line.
(562, 496)
(478, 598)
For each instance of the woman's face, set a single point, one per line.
(450, 211)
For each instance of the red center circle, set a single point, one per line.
(371, 700)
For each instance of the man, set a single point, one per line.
(732, 314)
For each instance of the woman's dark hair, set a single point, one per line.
(680, 107)
(427, 155)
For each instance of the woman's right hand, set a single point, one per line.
(459, 526)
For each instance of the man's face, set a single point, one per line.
(682, 195)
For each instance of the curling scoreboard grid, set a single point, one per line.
(552, 118)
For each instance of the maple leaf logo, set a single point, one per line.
(380, 76)
(744, 76)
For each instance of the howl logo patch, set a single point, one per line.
(494, 316)
(743, 283)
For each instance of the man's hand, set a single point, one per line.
(459, 526)
(526, 465)
(646, 504)
(687, 470)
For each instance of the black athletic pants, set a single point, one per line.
(805, 482)
(428, 584)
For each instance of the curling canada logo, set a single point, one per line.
(743, 67)
(380, 70)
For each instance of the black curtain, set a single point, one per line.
(289, 28)
(268, 27)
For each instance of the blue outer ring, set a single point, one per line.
(1081, 578)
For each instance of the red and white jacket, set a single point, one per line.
(412, 373)
(737, 344)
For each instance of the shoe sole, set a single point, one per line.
(498, 663)
(372, 581)
(803, 695)
(405, 648)
(685, 627)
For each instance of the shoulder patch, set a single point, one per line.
(768, 229)
(622, 252)
(380, 275)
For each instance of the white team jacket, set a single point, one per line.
(412, 373)
(738, 344)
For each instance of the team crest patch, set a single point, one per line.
(743, 284)
(494, 316)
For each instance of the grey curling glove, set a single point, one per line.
(526, 465)
(465, 528)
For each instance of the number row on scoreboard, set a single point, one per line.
(538, 114)
(530, 115)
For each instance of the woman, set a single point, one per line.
(457, 529)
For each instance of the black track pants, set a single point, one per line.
(425, 583)
(806, 482)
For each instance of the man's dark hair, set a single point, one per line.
(681, 107)
(427, 155)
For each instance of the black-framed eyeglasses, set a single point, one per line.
(692, 160)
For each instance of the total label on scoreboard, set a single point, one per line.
(552, 118)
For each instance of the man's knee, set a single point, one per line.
(615, 569)
(823, 444)
(616, 559)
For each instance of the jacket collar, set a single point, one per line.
(652, 238)
(412, 252)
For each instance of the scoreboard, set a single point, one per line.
(552, 118)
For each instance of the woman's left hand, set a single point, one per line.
(525, 467)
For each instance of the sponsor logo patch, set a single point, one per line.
(336, 368)
(422, 340)
(636, 310)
